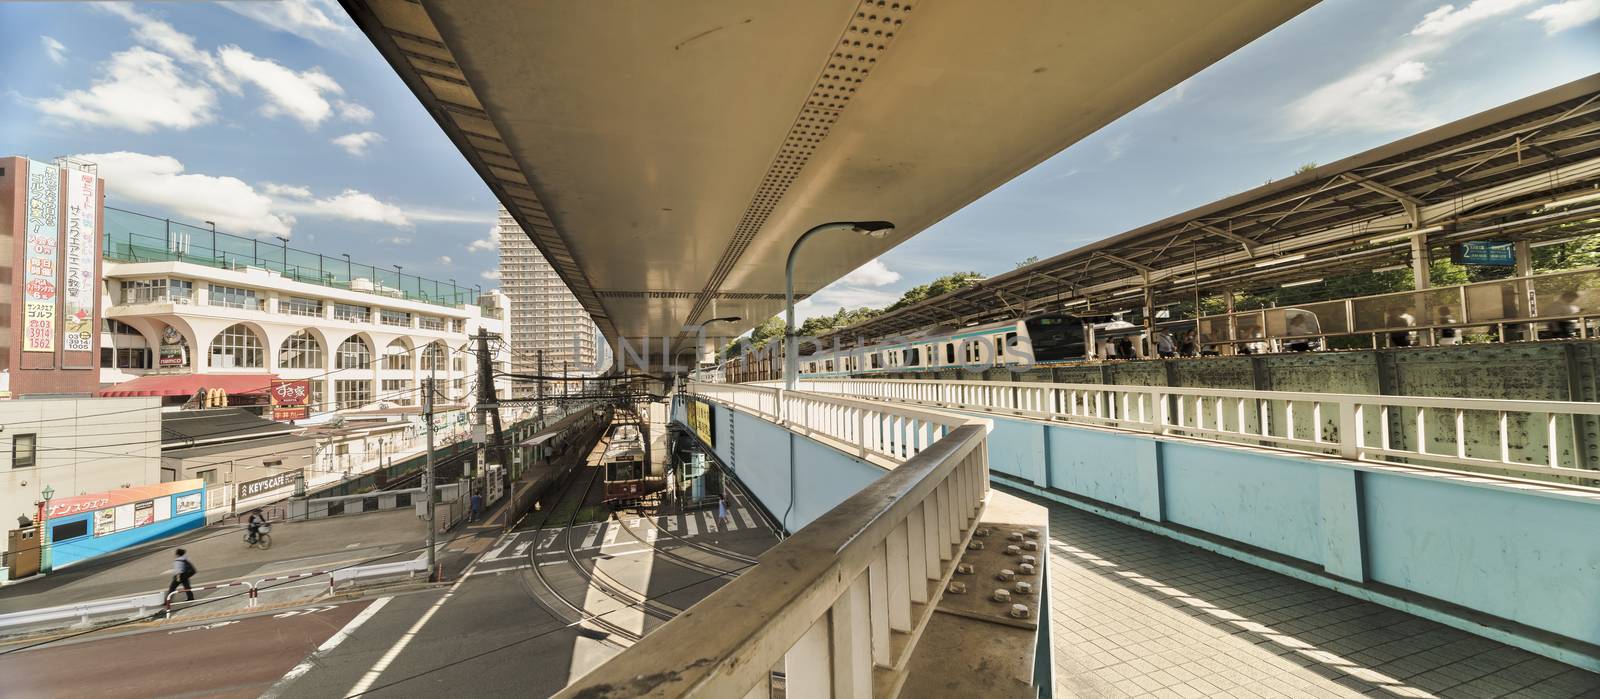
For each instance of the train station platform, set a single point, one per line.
(1138, 614)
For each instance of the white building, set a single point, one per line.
(545, 316)
(358, 346)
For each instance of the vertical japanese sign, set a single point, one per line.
(78, 300)
(39, 257)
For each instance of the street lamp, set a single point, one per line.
(349, 271)
(791, 349)
(214, 254)
(285, 240)
(44, 531)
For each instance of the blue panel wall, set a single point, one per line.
(84, 547)
(1535, 559)
(1096, 465)
(1260, 499)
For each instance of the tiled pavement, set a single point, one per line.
(1136, 614)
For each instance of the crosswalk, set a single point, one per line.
(603, 535)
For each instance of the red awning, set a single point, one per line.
(188, 384)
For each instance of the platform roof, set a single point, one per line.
(1491, 175)
(665, 155)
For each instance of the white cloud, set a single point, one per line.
(356, 144)
(351, 205)
(162, 37)
(397, 240)
(1562, 16)
(1448, 19)
(56, 50)
(491, 274)
(350, 111)
(873, 273)
(307, 19)
(445, 259)
(302, 95)
(488, 244)
(160, 180)
(141, 91)
(286, 190)
(827, 301)
(1116, 146)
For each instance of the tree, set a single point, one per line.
(1031, 259)
(938, 287)
(1305, 167)
(822, 325)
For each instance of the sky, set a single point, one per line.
(281, 119)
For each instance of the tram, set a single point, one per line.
(626, 462)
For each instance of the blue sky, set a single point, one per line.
(280, 118)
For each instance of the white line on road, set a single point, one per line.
(672, 522)
(744, 516)
(548, 540)
(522, 548)
(711, 522)
(594, 533)
(294, 673)
(611, 534)
(688, 524)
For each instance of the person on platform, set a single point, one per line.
(182, 570)
(1165, 347)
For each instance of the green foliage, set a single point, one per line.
(1031, 259)
(759, 335)
(1305, 167)
(822, 325)
(938, 287)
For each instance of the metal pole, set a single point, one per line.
(427, 474)
(539, 385)
(791, 345)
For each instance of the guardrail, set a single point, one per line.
(840, 604)
(1480, 434)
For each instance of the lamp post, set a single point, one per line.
(285, 240)
(44, 531)
(399, 281)
(349, 271)
(791, 350)
(214, 254)
(702, 328)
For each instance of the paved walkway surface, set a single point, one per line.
(1136, 614)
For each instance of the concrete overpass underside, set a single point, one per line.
(664, 156)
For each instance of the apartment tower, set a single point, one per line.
(544, 314)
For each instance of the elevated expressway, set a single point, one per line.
(665, 155)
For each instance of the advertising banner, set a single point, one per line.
(79, 297)
(171, 352)
(250, 489)
(700, 420)
(62, 507)
(290, 399)
(40, 258)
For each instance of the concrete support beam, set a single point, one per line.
(1343, 551)
(1147, 468)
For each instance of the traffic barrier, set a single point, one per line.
(255, 588)
(141, 604)
(167, 604)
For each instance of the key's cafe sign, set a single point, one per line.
(291, 400)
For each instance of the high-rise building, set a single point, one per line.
(544, 313)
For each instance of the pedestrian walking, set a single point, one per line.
(722, 512)
(182, 570)
(477, 506)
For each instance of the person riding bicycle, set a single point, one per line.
(255, 523)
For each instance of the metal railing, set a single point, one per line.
(838, 606)
(1512, 437)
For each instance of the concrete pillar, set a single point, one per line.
(1419, 261)
(1147, 463)
(1342, 544)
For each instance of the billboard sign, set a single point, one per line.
(78, 504)
(79, 288)
(291, 399)
(250, 489)
(700, 421)
(171, 352)
(41, 253)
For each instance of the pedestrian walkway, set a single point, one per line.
(1137, 614)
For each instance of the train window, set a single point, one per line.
(1011, 339)
(913, 357)
(999, 349)
(876, 360)
(949, 353)
(827, 365)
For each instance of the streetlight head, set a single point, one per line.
(724, 319)
(874, 229)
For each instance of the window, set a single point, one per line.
(458, 388)
(296, 306)
(949, 353)
(234, 297)
(316, 405)
(395, 318)
(430, 323)
(433, 356)
(397, 390)
(157, 291)
(458, 363)
(237, 348)
(397, 357)
(24, 450)
(209, 476)
(354, 354)
(877, 360)
(300, 351)
(69, 530)
(125, 357)
(353, 314)
(352, 394)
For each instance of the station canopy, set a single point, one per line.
(1509, 173)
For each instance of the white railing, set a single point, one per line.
(1514, 437)
(838, 606)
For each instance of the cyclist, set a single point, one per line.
(256, 520)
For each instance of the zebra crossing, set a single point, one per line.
(601, 535)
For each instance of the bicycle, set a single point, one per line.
(262, 540)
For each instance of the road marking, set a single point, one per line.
(522, 548)
(296, 672)
(633, 523)
(495, 553)
(216, 625)
(549, 540)
(688, 524)
(507, 569)
(672, 522)
(594, 533)
(711, 522)
(308, 610)
(353, 546)
(611, 535)
(650, 536)
(551, 563)
(744, 516)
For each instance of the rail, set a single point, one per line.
(1512, 437)
(839, 605)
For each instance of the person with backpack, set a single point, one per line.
(182, 570)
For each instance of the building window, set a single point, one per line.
(24, 450)
(395, 318)
(300, 351)
(237, 348)
(157, 291)
(125, 357)
(459, 325)
(209, 476)
(354, 354)
(397, 356)
(316, 404)
(433, 357)
(234, 297)
(430, 323)
(353, 314)
(352, 394)
(458, 388)
(458, 363)
(296, 306)
(397, 391)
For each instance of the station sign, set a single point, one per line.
(699, 415)
(1497, 253)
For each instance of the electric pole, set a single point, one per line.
(489, 407)
(427, 473)
(539, 385)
